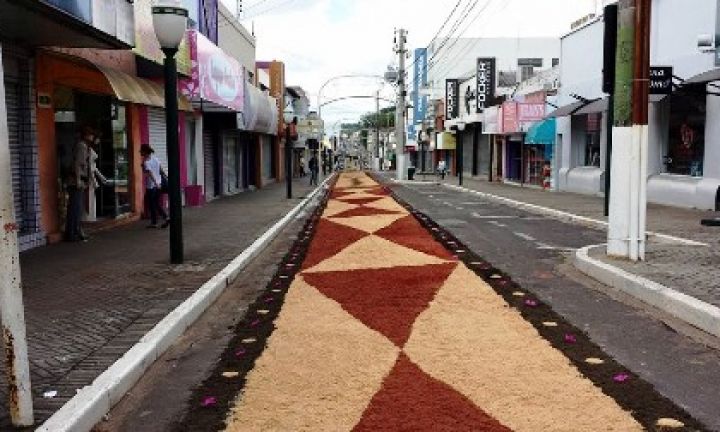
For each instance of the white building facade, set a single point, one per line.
(684, 152)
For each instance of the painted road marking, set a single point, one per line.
(498, 224)
(525, 236)
(545, 246)
(479, 216)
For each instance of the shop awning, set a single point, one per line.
(711, 75)
(128, 88)
(597, 106)
(542, 132)
(567, 110)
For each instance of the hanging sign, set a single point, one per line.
(661, 80)
(452, 98)
(485, 83)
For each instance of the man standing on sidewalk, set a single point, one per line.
(77, 182)
(313, 165)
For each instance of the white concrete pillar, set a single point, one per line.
(627, 226)
(11, 304)
(711, 162)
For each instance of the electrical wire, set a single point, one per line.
(437, 34)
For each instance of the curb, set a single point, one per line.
(93, 402)
(569, 217)
(682, 306)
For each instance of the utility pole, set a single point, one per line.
(400, 110)
(377, 131)
(12, 312)
(628, 202)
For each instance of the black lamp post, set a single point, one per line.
(459, 147)
(170, 24)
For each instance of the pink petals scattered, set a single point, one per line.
(239, 353)
(570, 338)
(209, 401)
(255, 323)
(531, 303)
(621, 377)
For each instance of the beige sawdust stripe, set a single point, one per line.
(387, 203)
(319, 372)
(471, 340)
(336, 207)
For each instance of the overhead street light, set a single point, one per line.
(170, 23)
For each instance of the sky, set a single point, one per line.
(321, 39)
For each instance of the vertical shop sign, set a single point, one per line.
(420, 103)
(452, 98)
(485, 83)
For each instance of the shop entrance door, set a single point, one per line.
(108, 118)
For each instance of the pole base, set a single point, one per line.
(715, 222)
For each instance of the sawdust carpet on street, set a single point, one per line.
(390, 324)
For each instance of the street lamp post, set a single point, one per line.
(170, 24)
(459, 147)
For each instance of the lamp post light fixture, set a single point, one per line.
(170, 23)
(460, 128)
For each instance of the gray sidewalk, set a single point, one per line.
(87, 303)
(691, 270)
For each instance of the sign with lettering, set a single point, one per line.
(420, 103)
(485, 83)
(452, 98)
(661, 80)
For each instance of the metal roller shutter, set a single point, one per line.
(12, 101)
(209, 161)
(157, 132)
(267, 157)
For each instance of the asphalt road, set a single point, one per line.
(534, 250)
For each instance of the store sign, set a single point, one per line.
(420, 103)
(510, 121)
(661, 80)
(490, 124)
(485, 83)
(452, 99)
(530, 112)
(147, 45)
(215, 76)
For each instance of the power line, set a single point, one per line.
(470, 42)
(452, 12)
(468, 9)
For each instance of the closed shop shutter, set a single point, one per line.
(231, 160)
(158, 134)
(484, 155)
(209, 161)
(12, 100)
(267, 155)
(468, 137)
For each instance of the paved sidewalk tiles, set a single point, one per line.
(385, 334)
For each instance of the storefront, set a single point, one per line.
(77, 92)
(539, 153)
(686, 143)
(218, 156)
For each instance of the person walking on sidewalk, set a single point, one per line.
(154, 175)
(77, 182)
(441, 169)
(313, 165)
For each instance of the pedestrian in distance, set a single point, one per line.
(155, 186)
(314, 168)
(77, 181)
(441, 169)
(302, 166)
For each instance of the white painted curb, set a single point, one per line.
(566, 216)
(684, 307)
(92, 403)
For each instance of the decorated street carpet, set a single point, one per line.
(380, 320)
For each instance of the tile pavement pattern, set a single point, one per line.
(384, 328)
